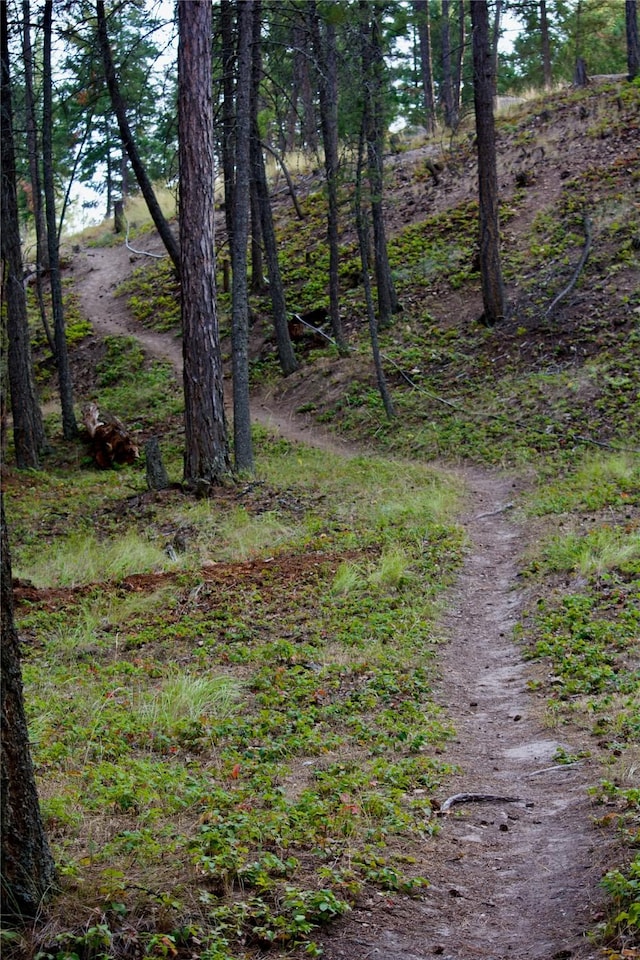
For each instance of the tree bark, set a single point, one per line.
(545, 45)
(497, 16)
(421, 8)
(258, 284)
(119, 224)
(157, 478)
(207, 449)
(580, 76)
(456, 80)
(446, 94)
(374, 135)
(243, 447)
(228, 112)
(327, 67)
(286, 356)
(31, 127)
(129, 143)
(28, 430)
(28, 870)
(32, 141)
(362, 228)
(633, 44)
(493, 294)
(69, 423)
(303, 90)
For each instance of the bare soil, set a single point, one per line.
(515, 879)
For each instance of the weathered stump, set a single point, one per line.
(580, 77)
(157, 478)
(119, 225)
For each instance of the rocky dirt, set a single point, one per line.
(516, 879)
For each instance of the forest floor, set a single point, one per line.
(509, 878)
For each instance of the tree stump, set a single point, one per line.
(119, 225)
(157, 478)
(580, 78)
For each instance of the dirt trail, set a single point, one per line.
(98, 272)
(508, 880)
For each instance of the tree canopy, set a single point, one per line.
(143, 36)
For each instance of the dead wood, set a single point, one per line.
(574, 279)
(109, 440)
(157, 478)
(287, 176)
(476, 798)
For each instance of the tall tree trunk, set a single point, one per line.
(458, 63)
(302, 93)
(228, 112)
(327, 65)
(124, 175)
(32, 140)
(69, 424)
(109, 170)
(362, 228)
(496, 36)
(258, 284)
(493, 294)
(42, 259)
(309, 126)
(286, 356)
(292, 119)
(545, 45)
(28, 870)
(243, 449)
(28, 431)
(446, 90)
(129, 143)
(421, 8)
(206, 457)
(580, 77)
(374, 136)
(633, 45)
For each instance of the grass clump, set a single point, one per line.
(188, 699)
(599, 481)
(84, 558)
(595, 552)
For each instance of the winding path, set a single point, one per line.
(514, 880)
(99, 271)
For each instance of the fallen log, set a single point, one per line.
(109, 440)
(476, 798)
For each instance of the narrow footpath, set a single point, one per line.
(511, 880)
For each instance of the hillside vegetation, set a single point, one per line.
(231, 700)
